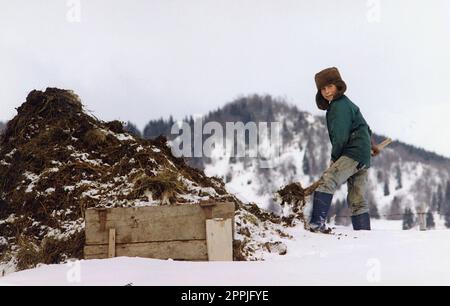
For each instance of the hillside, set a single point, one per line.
(403, 176)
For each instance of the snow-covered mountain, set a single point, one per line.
(402, 176)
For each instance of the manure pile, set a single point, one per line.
(56, 160)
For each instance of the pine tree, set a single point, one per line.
(434, 204)
(395, 211)
(446, 205)
(155, 128)
(373, 210)
(408, 219)
(306, 167)
(447, 220)
(286, 133)
(379, 176)
(386, 188)
(270, 114)
(447, 196)
(440, 200)
(398, 177)
(132, 129)
(430, 220)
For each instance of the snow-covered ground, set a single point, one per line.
(385, 256)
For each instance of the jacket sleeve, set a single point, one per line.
(340, 121)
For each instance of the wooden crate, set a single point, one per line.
(179, 232)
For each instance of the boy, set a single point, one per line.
(352, 147)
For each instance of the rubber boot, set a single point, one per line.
(361, 222)
(321, 205)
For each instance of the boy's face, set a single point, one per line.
(328, 92)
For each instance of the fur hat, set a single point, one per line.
(326, 77)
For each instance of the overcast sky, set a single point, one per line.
(139, 60)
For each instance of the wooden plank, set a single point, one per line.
(150, 224)
(122, 213)
(146, 229)
(179, 250)
(219, 239)
(207, 203)
(112, 243)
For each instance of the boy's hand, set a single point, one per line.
(375, 150)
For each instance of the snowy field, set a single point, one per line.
(385, 256)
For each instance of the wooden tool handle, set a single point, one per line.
(384, 143)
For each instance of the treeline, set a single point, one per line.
(438, 203)
(252, 108)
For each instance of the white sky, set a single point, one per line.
(140, 60)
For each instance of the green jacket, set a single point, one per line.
(350, 135)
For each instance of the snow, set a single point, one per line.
(11, 219)
(92, 193)
(119, 136)
(192, 187)
(190, 198)
(8, 267)
(69, 188)
(310, 118)
(49, 190)
(123, 137)
(33, 178)
(418, 182)
(383, 256)
(68, 229)
(85, 158)
(251, 180)
(10, 154)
